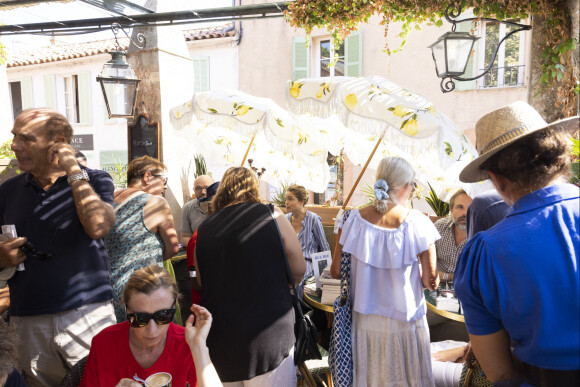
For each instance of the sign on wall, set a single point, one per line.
(144, 138)
(82, 142)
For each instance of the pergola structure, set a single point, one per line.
(105, 13)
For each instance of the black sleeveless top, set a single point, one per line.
(241, 264)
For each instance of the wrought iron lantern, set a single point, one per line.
(451, 52)
(119, 82)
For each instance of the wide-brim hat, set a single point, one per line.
(501, 128)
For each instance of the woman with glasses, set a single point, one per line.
(391, 250)
(144, 232)
(148, 342)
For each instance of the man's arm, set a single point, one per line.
(96, 216)
(185, 231)
(494, 354)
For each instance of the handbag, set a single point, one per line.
(340, 351)
(306, 346)
(473, 376)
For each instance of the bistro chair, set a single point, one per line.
(313, 373)
(75, 374)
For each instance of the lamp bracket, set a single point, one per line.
(452, 12)
(140, 37)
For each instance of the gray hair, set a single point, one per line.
(397, 172)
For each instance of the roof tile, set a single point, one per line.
(58, 53)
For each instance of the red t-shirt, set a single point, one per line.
(111, 360)
(195, 294)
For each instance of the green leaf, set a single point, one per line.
(212, 110)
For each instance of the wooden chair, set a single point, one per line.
(312, 372)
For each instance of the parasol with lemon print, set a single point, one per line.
(233, 126)
(366, 115)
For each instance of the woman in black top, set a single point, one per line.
(241, 264)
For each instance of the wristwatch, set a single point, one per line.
(82, 175)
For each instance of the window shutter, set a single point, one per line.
(50, 91)
(353, 55)
(201, 74)
(471, 69)
(300, 58)
(84, 97)
(26, 90)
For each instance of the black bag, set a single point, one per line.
(306, 346)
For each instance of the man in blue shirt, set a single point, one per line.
(61, 212)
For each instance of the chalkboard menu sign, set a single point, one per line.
(144, 138)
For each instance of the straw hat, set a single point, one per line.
(504, 126)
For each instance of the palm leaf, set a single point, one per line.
(439, 207)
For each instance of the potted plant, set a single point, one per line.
(439, 207)
(8, 164)
(279, 198)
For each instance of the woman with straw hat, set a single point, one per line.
(519, 282)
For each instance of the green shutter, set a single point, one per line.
(50, 91)
(471, 69)
(84, 97)
(26, 90)
(353, 55)
(300, 58)
(201, 74)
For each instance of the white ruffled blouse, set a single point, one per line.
(385, 277)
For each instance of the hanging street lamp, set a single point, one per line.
(119, 82)
(451, 52)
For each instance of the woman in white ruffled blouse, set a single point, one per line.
(392, 258)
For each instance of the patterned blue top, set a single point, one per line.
(131, 246)
(311, 237)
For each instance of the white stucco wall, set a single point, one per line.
(107, 136)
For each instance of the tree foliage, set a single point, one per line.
(342, 17)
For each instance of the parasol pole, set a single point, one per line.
(353, 188)
(248, 151)
(362, 172)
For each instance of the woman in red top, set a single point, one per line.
(148, 342)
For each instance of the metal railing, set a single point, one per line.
(507, 76)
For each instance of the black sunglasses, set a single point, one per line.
(30, 251)
(161, 317)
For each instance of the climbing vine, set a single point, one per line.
(341, 17)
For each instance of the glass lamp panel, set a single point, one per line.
(120, 97)
(438, 50)
(458, 51)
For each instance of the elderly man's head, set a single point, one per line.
(200, 186)
(458, 205)
(35, 131)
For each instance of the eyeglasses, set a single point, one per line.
(414, 183)
(30, 251)
(161, 317)
(162, 177)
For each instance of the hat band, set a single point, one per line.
(504, 138)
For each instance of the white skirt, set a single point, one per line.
(389, 352)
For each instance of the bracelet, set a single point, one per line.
(445, 276)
